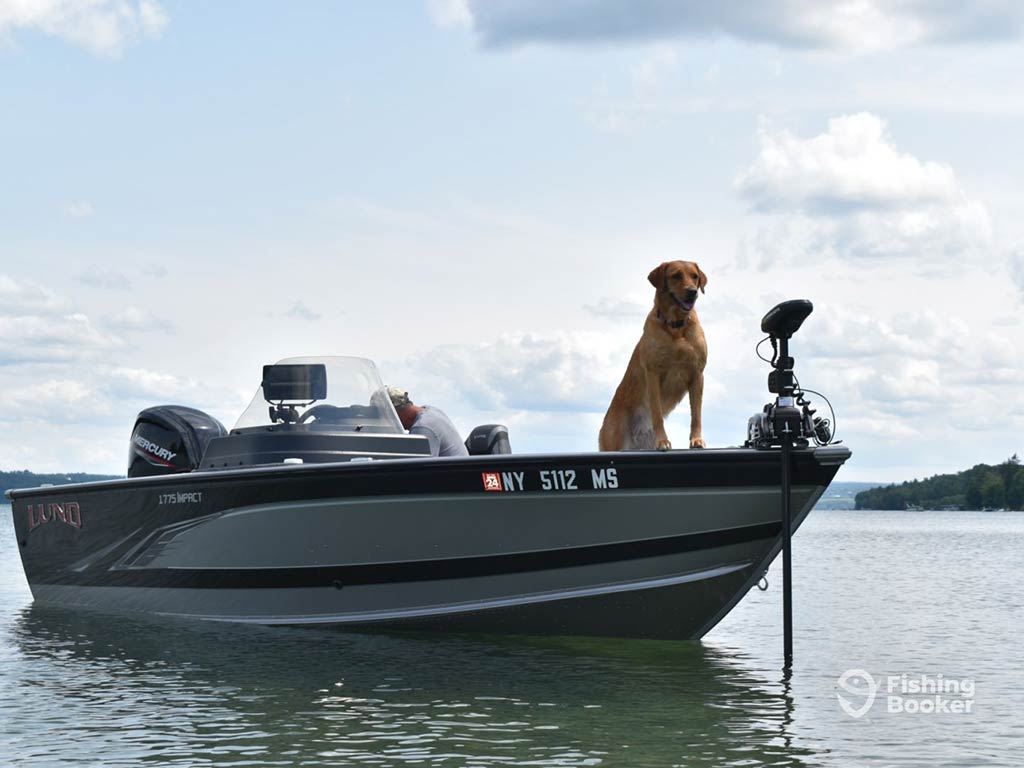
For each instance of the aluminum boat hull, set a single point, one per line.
(634, 544)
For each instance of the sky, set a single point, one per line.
(472, 193)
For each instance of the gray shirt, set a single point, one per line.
(444, 438)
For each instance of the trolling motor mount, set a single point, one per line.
(790, 417)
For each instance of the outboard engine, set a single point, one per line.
(169, 439)
(488, 440)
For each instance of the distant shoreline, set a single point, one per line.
(983, 487)
(24, 479)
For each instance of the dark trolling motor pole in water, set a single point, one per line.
(787, 425)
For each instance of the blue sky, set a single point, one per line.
(473, 193)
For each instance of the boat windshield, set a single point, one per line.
(355, 400)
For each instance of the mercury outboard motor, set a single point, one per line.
(488, 440)
(169, 439)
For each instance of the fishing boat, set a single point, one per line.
(318, 508)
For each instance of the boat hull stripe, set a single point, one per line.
(340, 576)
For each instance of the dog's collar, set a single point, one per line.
(670, 323)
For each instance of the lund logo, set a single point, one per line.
(67, 512)
(154, 453)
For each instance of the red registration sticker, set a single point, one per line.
(492, 481)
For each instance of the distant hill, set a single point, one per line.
(24, 479)
(842, 495)
(983, 486)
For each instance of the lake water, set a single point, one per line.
(924, 594)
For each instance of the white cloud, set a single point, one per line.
(849, 192)
(920, 335)
(79, 210)
(63, 400)
(72, 388)
(35, 338)
(109, 279)
(652, 78)
(551, 390)
(854, 164)
(852, 25)
(302, 312)
(1016, 262)
(17, 298)
(651, 72)
(154, 270)
(99, 394)
(101, 26)
(558, 372)
(450, 13)
(135, 319)
(141, 384)
(38, 326)
(152, 17)
(75, 417)
(611, 308)
(921, 374)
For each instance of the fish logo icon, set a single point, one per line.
(860, 683)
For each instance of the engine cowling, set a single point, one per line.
(170, 438)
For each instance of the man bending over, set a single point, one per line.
(430, 422)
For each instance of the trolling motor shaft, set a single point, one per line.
(783, 424)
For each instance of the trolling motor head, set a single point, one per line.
(785, 319)
(781, 322)
(790, 417)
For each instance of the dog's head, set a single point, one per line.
(676, 284)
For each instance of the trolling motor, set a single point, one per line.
(787, 423)
(790, 416)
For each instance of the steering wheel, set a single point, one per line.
(322, 413)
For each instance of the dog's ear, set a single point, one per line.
(657, 276)
(702, 279)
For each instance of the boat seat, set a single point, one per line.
(488, 440)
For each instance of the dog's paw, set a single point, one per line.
(697, 442)
(664, 445)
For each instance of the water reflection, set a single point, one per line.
(126, 691)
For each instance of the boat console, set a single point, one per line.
(306, 411)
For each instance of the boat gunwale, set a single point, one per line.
(826, 455)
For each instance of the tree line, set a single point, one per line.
(983, 486)
(22, 478)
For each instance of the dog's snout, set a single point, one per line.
(691, 294)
